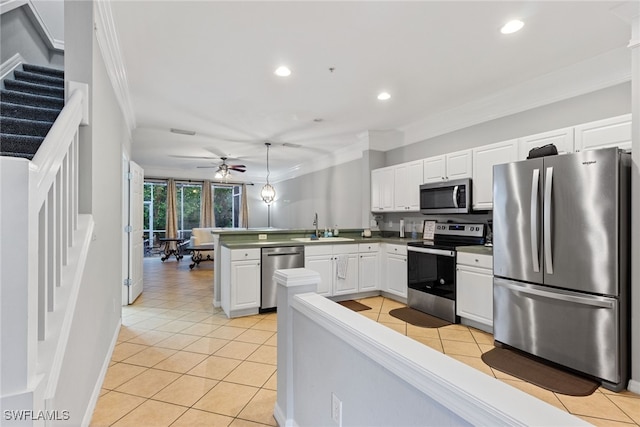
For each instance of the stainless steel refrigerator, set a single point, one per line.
(561, 260)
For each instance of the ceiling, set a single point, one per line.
(208, 67)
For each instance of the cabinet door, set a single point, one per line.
(387, 189)
(613, 132)
(484, 158)
(369, 274)
(561, 138)
(245, 284)
(434, 169)
(396, 278)
(414, 181)
(400, 190)
(349, 283)
(323, 265)
(459, 165)
(474, 297)
(376, 190)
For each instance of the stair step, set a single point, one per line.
(19, 145)
(24, 127)
(23, 98)
(35, 89)
(26, 112)
(22, 155)
(43, 70)
(37, 78)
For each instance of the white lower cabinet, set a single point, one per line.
(395, 278)
(330, 261)
(240, 281)
(369, 267)
(474, 292)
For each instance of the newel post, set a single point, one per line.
(290, 283)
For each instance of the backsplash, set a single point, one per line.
(390, 222)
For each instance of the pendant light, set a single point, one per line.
(268, 193)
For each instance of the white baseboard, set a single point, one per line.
(634, 386)
(103, 373)
(281, 418)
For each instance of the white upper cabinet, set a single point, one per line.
(612, 132)
(455, 165)
(484, 158)
(407, 181)
(561, 138)
(382, 189)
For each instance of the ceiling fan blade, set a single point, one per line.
(238, 170)
(194, 157)
(207, 167)
(237, 166)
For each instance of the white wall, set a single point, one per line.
(18, 35)
(334, 193)
(98, 312)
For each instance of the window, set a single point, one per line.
(155, 209)
(188, 207)
(226, 205)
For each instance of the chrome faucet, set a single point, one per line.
(315, 224)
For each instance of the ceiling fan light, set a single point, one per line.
(282, 71)
(268, 193)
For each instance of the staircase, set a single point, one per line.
(29, 104)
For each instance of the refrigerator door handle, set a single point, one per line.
(535, 256)
(548, 256)
(455, 196)
(592, 301)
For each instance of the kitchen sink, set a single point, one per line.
(322, 239)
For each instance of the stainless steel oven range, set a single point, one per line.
(432, 268)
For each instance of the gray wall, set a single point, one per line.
(18, 35)
(334, 193)
(604, 103)
(98, 311)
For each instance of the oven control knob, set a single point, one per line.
(442, 282)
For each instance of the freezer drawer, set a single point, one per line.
(575, 330)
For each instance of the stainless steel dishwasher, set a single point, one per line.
(277, 258)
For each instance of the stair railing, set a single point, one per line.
(43, 247)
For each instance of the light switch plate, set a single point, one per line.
(262, 237)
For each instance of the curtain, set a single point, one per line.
(244, 208)
(172, 221)
(207, 218)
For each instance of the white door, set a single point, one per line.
(136, 242)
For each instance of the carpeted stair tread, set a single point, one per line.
(33, 88)
(36, 78)
(24, 127)
(30, 102)
(27, 112)
(39, 69)
(24, 98)
(20, 144)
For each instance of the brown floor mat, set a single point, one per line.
(536, 372)
(354, 305)
(418, 318)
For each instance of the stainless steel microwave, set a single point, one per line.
(447, 197)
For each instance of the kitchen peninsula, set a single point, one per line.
(369, 265)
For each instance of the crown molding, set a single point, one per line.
(107, 38)
(606, 70)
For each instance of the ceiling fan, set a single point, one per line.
(224, 169)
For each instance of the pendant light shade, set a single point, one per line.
(268, 193)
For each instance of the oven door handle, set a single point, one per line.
(432, 251)
(455, 197)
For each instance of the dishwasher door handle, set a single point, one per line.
(285, 254)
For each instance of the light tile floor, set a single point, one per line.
(179, 362)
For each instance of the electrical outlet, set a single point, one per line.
(262, 237)
(390, 223)
(336, 409)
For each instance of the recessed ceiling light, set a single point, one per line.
(512, 26)
(383, 96)
(283, 71)
(183, 131)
